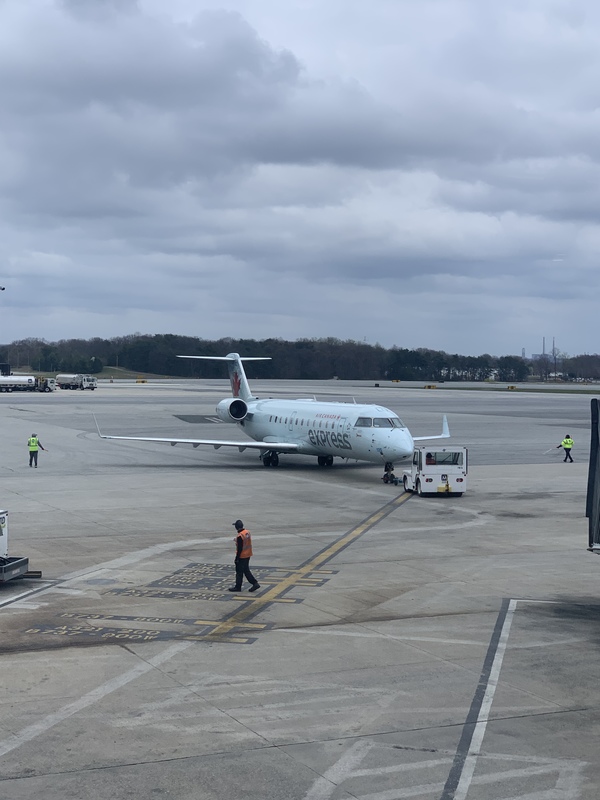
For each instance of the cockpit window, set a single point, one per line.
(363, 422)
(397, 423)
(382, 422)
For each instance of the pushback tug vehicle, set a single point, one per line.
(437, 471)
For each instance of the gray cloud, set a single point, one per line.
(310, 170)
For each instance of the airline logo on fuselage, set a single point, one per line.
(329, 438)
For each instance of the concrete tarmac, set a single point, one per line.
(437, 648)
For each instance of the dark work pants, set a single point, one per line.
(567, 454)
(33, 457)
(242, 567)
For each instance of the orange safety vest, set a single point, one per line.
(246, 543)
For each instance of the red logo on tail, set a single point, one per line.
(235, 384)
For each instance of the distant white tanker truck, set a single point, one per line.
(76, 381)
(26, 383)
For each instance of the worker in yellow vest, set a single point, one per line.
(34, 444)
(243, 553)
(567, 443)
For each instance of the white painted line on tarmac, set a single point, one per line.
(344, 770)
(470, 762)
(18, 597)
(567, 785)
(375, 635)
(31, 732)
(325, 786)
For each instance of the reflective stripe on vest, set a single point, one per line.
(246, 543)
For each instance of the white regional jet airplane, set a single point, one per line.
(307, 427)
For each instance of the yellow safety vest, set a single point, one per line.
(33, 443)
(567, 443)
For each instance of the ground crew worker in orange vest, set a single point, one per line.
(243, 553)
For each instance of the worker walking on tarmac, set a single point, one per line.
(34, 444)
(567, 443)
(243, 553)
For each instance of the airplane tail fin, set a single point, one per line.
(237, 376)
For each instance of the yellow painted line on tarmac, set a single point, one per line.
(274, 594)
(257, 625)
(242, 599)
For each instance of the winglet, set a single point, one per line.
(445, 428)
(98, 427)
(444, 435)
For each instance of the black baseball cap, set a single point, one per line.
(238, 524)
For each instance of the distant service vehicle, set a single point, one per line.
(440, 471)
(26, 383)
(45, 384)
(306, 427)
(76, 381)
(17, 383)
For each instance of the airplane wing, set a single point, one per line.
(444, 435)
(280, 447)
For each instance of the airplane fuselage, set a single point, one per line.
(346, 430)
(307, 427)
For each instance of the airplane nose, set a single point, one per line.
(408, 445)
(401, 445)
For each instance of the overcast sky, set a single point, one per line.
(420, 174)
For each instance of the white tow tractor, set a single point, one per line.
(442, 470)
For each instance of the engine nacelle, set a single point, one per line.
(232, 409)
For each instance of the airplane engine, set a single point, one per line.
(232, 409)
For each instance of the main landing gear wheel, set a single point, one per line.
(325, 461)
(270, 460)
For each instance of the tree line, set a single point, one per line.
(304, 359)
